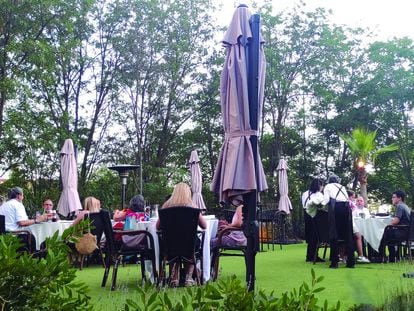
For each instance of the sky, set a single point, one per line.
(388, 18)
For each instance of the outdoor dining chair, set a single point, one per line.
(178, 236)
(224, 250)
(25, 235)
(114, 252)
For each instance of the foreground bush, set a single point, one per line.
(28, 283)
(230, 294)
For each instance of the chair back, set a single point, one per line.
(411, 228)
(179, 230)
(97, 224)
(321, 226)
(2, 224)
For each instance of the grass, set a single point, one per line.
(278, 271)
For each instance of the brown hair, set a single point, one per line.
(181, 196)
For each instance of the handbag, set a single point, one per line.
(87, 243)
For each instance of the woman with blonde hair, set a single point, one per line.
(91, 205)
(181, 196)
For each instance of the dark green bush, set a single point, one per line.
(28, 283)
(230, 294)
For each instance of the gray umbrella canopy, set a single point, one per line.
(284, 202)
(235, 173)
(196, 180)
(69, 199)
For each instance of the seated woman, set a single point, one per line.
(181, 196)
(136, 208)
(91, 205)
(233, 238)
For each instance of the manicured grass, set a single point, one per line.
(278, 271)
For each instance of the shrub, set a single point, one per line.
(230, 294)
(28, 283)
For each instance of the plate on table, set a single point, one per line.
(66, 221)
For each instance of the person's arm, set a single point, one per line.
(326, 195)
(237, 220)
(202, 222)
(398, 215)
(158, 224)
(29, 222)
(79, 218)
(119, 215)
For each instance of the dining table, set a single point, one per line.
(43, 230)
(372, 229)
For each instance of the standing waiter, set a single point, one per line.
(340, 221)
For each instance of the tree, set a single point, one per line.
(362, 146)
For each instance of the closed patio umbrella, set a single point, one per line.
(69, 201)
(284, 202)
(196, 180)
(239, 172)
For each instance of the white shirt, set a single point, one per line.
(331, 191)
(357, 211)
(14, 212)
(315, 198)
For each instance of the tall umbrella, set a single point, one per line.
(239, 172)
(196, 180)
(284, 202)
(69, 199)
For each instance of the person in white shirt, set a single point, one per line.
(311, 198)
(340, 220)
(353, 203)
(15, 214)
(360, 210)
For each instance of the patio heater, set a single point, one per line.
(123, 171)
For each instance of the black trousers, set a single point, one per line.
(344, 234)
(310, 235)
(392, 235)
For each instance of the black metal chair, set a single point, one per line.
(272, 225)
(114, 253)
(25, 235)
(178, 240)
(97, 229)
(403, 240)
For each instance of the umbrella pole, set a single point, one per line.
(250, 199)
(251, 231)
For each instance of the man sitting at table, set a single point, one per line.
(401, 218)
(360, 210)
(16, 217)
(48, 209)
(356, 208)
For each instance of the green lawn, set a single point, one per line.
(278, 271)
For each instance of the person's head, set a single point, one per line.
(16, 193)
(360, 202)
(92, 204)
(332, 179)
(137, 203)
(398, 197)
(315, 185)
(351, 195)
(47, 205)
(181, 196)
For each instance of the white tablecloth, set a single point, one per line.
(211, 232)
(41, 231)
(372, 229)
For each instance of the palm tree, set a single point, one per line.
(362, 145)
